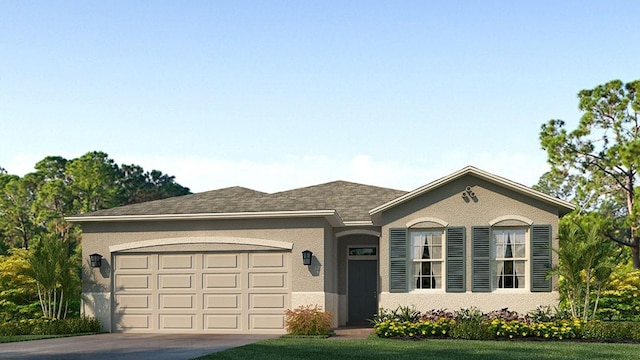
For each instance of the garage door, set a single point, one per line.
(201, 292)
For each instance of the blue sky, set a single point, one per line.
(273, 95)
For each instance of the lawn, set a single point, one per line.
(14, 338)
(378, 348)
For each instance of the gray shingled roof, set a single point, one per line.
(352, 201)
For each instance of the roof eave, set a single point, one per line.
(331, 216)
(358, 223)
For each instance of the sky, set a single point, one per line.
(274, 95)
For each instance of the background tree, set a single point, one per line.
(33, 210)
(602, 156)
(93, 179)
(54, 197)
(16, 210)
(139, 186)
(18, 296)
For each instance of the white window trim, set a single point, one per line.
(527, 260)
(443, 262)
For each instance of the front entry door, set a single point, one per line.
(363, 290)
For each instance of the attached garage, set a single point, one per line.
(203, 292)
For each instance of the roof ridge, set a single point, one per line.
(336, 182)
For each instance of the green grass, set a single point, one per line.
(16, 338)
(378, 348)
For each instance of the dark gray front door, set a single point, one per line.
(363, 290)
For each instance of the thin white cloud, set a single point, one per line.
(201, 174)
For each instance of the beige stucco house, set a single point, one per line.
(230, 260)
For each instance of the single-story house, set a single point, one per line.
(231, 260)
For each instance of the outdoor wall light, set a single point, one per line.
(95, 260)
(306, 257)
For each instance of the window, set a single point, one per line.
(362, 251)
(426, 255)
(510, 253)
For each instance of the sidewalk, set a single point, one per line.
(352, 333)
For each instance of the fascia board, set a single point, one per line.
(359, 223)
(331, 216)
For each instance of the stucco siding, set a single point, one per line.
(447, 204)
(97, 305)
(328, 302)
(522, 302)
(303, 233)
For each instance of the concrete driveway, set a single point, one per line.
(126, 346)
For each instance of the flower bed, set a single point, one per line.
(470, 323)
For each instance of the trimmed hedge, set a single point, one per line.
(48, 326)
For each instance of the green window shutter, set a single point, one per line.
(540, 258)
(481, 247)
(456, 264)
(398, 248)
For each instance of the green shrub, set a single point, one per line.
(621, 299)
(48, 326)
(548, 314)
(308, 320)
(611, 330)
(472, 313)
(471, 329)
(400, 314)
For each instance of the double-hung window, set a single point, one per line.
(510, 254)
(427, 259)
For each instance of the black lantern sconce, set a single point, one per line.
(306, 257)
(95, 260)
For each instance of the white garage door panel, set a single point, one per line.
(266, 260)
(169, 262)
(262, 322)
(267, 301)
(221, 261)
(182, 322)
(222, 301)
(266, 280)
(125, 282)
(221, 281)
(201, 292)
(141, 301)
(177, 301)
(222, 322)
(136, 322)
(133, 262)
(175, 281)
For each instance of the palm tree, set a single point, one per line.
(56, 274)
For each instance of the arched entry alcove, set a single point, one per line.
(358, 277)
